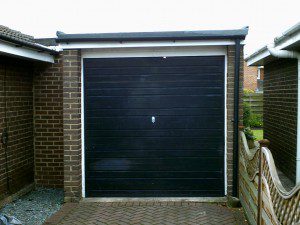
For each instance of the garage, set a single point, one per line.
(154, 126)
(151, 114)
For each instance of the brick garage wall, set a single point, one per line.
(48, 121)
(280, 113)
(72, 120)
(250, 77)
(20, 150)
(230, 109)
(72, 124)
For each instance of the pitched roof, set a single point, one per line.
(20, 39)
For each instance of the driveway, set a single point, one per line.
(146, 213)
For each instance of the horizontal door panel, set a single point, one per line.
(154, 84)
(153, 143)
(198, 133)
(125, 123)
(99, 153)
(99, 112)
(154, 174)
(160, 164)
(154, 61)
(154, 70)
(154, 193)
(154, 77)
(201, 92)
(153, 184)
(154, 102)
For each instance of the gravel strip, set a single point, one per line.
(35, 207)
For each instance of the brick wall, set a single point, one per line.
(57, 123)
(20, 151)
(48, 119)
(72, 124)
(280, 113)
(250, 77)
(230, 110)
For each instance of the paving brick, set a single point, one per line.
(136, 213)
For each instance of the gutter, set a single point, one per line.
(38, 47)
(287, 34)
(292, 55)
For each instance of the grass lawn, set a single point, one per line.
(259, 134)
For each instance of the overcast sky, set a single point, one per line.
(42, 18)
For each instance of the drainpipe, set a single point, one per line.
(292, 55)
(236, 117)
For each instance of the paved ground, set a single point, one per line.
(143, 213)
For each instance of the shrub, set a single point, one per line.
(248, 91)
(246, 114)
(249, 133)
(255, 120)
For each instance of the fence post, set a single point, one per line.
(262, 143)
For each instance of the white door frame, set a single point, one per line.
(153, 52)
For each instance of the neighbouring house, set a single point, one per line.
(281, 109)
(253, 77)
(122, 114)
(30, 107)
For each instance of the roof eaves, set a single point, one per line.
(22, 43)
(287, 34)
(281, 42)
(259, 51)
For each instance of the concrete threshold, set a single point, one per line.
(153, 199)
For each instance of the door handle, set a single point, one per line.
(153, 119)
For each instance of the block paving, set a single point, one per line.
(119, 213)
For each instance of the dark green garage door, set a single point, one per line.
(154, 126)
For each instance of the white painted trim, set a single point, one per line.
(289, 40)
(82, 131)
(24, 52)
(155, 52)
(257, 59)
(144, 44)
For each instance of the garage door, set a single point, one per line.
(154, 126)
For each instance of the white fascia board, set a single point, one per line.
(290, 40)
(258, 59)
(154, 52)
(144, 44)
(24, 52)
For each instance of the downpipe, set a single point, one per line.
(236, 118)
(291, 55)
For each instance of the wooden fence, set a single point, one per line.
(255, 101)
(262, 195)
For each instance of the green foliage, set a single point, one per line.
(255, 120)
(249, 133)
(248, 91)
(259, 134)
(246, 114)
(251, 119)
